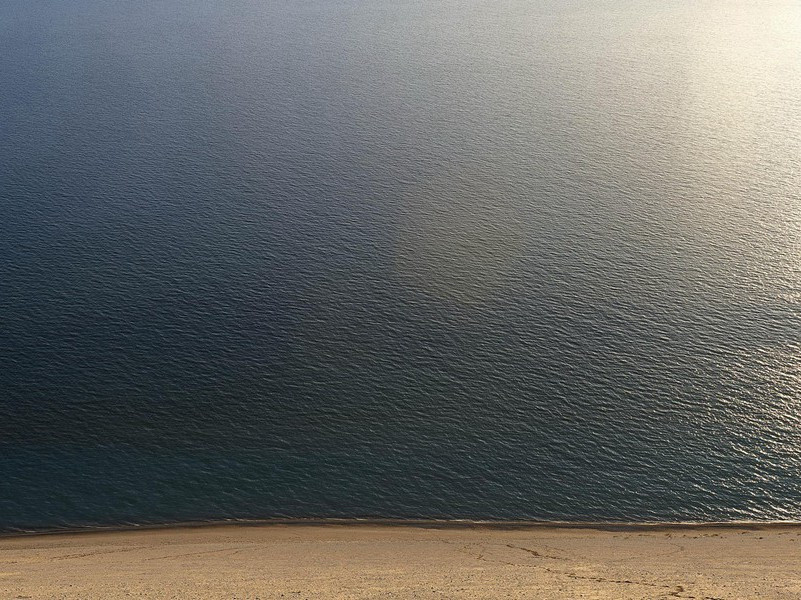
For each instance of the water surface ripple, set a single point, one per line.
(527, 259)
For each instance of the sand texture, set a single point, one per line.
(381, 561)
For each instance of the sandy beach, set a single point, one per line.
(258, 561)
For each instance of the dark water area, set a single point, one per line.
(351, 258)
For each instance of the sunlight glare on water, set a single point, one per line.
(528, 259)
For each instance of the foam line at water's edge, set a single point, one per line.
(421, 523)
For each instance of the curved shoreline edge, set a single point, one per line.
(489, 524)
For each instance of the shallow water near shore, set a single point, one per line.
(354, 258)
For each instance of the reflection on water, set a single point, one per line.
(521, 259)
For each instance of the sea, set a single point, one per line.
(399, 259)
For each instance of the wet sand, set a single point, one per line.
(389, 561)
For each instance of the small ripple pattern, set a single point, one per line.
(528, 259)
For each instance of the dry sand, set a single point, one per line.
(383, 561)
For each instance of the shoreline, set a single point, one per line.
(488, 524)
(425, 560)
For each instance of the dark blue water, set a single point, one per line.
(526, 259)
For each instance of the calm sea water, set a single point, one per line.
(445, 258)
